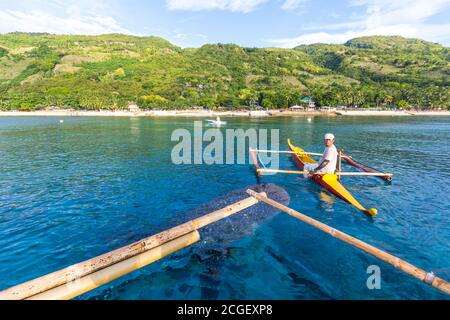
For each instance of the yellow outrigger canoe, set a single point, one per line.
(328, 181)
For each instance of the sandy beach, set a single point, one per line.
(392, 113)
(209, 114)
(161, 113)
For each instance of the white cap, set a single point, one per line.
(329, 136)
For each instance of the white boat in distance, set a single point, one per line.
(217, 122)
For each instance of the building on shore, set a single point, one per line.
(309, 103)
(297, 108)
(133, 107)
(328, 109)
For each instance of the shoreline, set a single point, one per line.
(209, 114)
(160, 113)
(393, 113)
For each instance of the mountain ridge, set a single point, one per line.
(39, 70)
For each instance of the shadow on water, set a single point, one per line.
(206, 258)
(293, 272)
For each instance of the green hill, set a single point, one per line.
(106, 72)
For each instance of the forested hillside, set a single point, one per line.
(106, 72)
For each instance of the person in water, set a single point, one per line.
(328, 162)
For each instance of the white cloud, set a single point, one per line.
(244, 6)
(383, 12)
(438, 33)
(188, 36)
(290, 5)
(408, 18)
(70, 22)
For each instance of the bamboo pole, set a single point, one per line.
(427, 277)
(94, 280)
(58, 278)
(356, 174)
(287, 152)
(299, 153)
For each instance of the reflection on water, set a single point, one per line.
(326, 201)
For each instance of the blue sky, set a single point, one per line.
(252, 23)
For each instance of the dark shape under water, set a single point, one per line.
(297, 279)
(217, 238)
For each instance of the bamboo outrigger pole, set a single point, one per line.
(286, 152)
(294, 152)
(76, 272)
(427, 277)
(356, 174)
(339, 172)
(96, 279)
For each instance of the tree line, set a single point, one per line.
(107, 72)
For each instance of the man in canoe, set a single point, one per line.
(328, 162)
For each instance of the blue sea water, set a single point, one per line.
(71, 191)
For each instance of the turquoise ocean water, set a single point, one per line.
(70, 191)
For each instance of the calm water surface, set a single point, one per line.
(75, 190)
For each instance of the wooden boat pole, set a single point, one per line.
(288, 152)
(94, 280)
(339, 168)
(427, 277)
(58, 278)
(356, 174)
(299, 153)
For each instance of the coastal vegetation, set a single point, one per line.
(39, 71)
